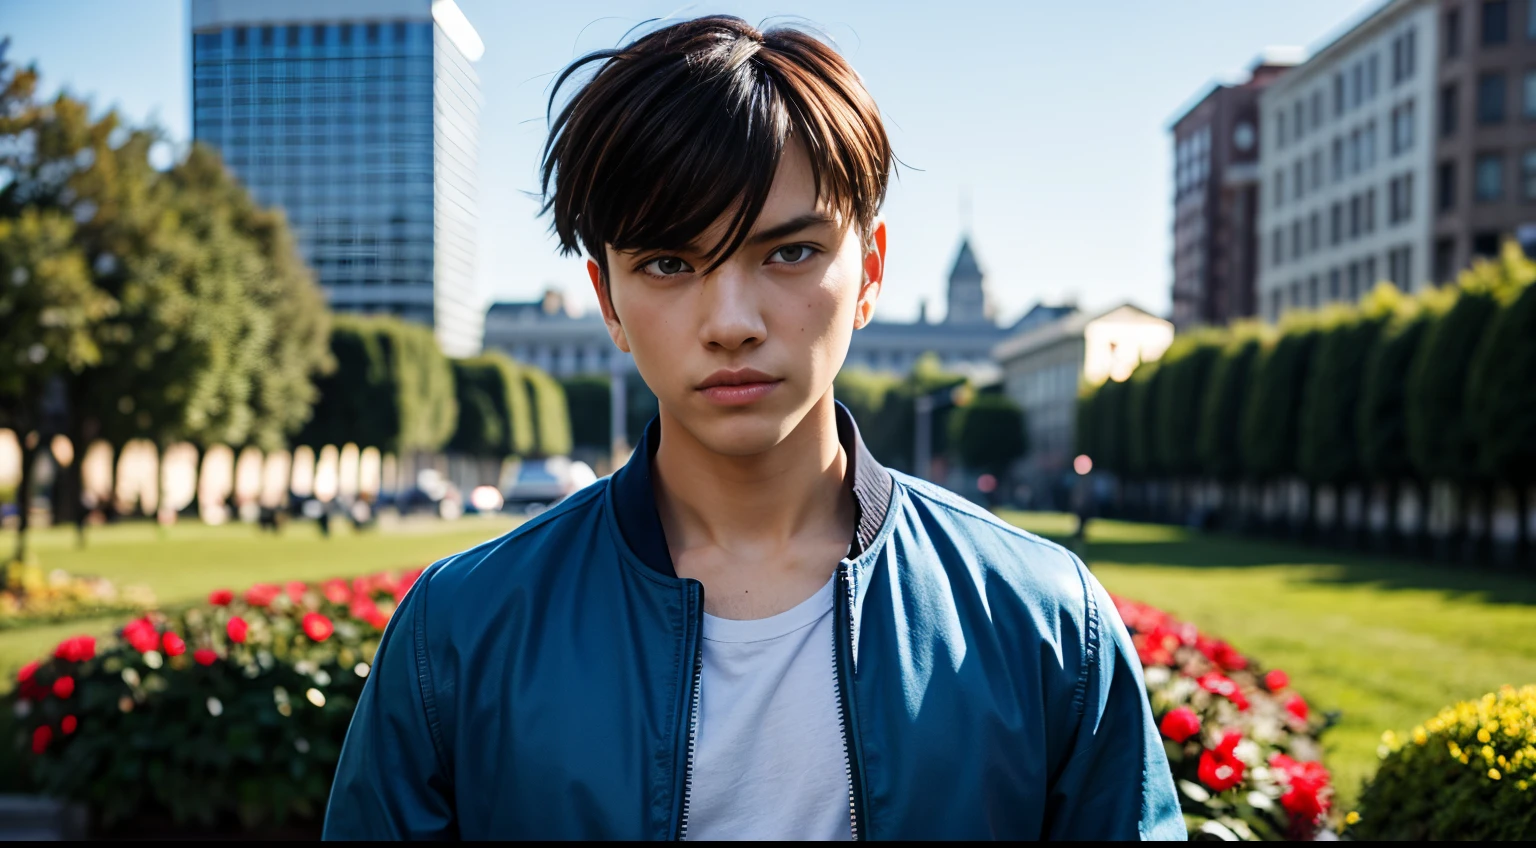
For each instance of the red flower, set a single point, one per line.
(1219, 684)
(1180, 724)
(1308, 793)
(64, 687)
(317, 626)
(221, 597)
(69, 724)
(204, 656)
(296, 590)
(1297, 707)
(237, 629)
(336, 591)
(174, 646)
(1219, 768)
(40, 739)
(262, 594)
(76, 649)
(1276, 680)
(141, 634)
(26, 672)
(31, 690)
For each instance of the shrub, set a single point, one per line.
(232, 710)
(1242, 745)
(1467, 773)
(30, 596)
(1218, 437)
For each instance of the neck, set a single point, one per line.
(759, 504)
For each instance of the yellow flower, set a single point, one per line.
(1483, 737)
(1352, 818)
(1493, 774)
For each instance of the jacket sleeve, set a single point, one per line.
(392, 781)
(1115, 783)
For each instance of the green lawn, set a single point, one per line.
(1385, 641)
(183, 563)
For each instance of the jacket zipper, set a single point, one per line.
(693, 717)
(842, 653)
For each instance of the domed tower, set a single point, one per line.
(967, 296)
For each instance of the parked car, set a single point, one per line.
(541, 483)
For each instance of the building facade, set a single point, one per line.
(1042, 368)
(1346, 159)
(1215, 200)
(1485, 131)
(359, 120)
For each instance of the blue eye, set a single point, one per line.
(793, 254)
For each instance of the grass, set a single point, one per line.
(1386, 641)
(183, 563)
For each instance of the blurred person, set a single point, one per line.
(752, 629)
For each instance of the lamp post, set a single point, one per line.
(924, 406)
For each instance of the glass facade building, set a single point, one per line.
(359, 120)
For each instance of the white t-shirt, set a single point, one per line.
(769, 755)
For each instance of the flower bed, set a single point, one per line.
(29, 596)
(229, 712)
(1467, 773)
(1242, 745)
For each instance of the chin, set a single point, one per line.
(740, 432)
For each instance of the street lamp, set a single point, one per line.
(924, 406)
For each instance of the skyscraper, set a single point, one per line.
(359, 118)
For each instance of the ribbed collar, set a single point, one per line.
(634, 500)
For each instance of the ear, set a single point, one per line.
(874, 274)
(605, 302)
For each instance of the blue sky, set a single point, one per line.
(1051, 115)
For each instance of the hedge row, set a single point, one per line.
(394, 390)
(1396, 389)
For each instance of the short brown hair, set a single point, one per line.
(687, 124)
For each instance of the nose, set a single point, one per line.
(731, 315)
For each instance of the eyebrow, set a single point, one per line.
(790, 227)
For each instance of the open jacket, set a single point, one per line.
(545, 685)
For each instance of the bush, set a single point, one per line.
(1141, 403)
(551, 416)
(232, 711)
(590, 399)
(29, 596)
(1186, 369)
(1272, 410)
(1467, 773)
(1328, 450)
(1219, 434)
(989, 433)
(1242, 745)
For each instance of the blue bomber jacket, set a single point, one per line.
(545, 685)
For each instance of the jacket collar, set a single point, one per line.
(634, 499)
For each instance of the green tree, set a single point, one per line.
(392, 388)
(1328, 447)
(1501, 392)
(1141, 404)
(1442, 439)
(864, 393)
(590, 399)
(988, 433)
(893, 436)
(1084, 422)
(1185, 378)
(1381, 426)
(551, 416)
(1111, 426)
(1271, 413)
(1218, 438)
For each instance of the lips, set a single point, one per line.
(737, 388)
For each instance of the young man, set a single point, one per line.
(752, 629)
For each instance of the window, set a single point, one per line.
(1356, 85)
(1368, 273)
(1296, 292)
(1300, 119)
(1317, 169)
(1368, 144)
(1448, 107)
(1338, 94)
(1277, 246)
(1279, 188)
(1280, 129)
(1495, 22)
(1445, 186)
(1485, 243)
(1333, 283)
(1490, 98)
(1315, 229)
(1371, 65)
(1368, 212)
(1338, 158)
(1298, 179)
(1400, 198)
(1296, 242)
(1354, 151)
(1317, 108)
(1354, 281)
(1528, 95)
(1274, 304)
(1453, 33)
(1403, 48)
(1528, 174)
(1402, 127)
(1354, 216)
(1336, 223)
(1488, 178)
(1445, 259)
(1312, 290)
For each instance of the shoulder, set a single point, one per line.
(979, 540)
(492, 568)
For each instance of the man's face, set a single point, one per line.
(739, 356)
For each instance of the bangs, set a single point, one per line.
(686, 127)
